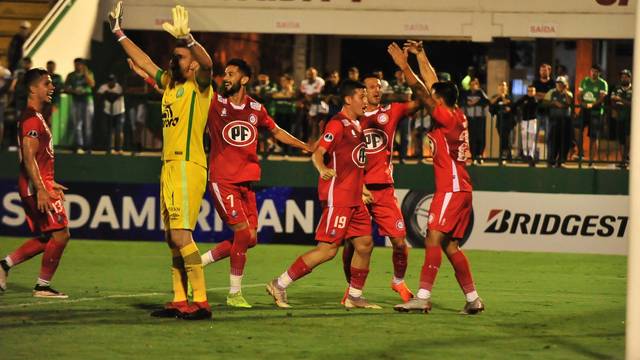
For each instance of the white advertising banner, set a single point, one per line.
(513, 221)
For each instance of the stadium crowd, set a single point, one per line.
(552, 122)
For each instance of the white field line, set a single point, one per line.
(101, 298)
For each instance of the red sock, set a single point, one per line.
(463, 271)
(399, 259)
(241, 240)
(347, 255)
(221, 251)
(298, 269)
(29, 249)
(432, 261)
(51, 259)
(358, 278)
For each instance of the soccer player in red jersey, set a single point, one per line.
(42, 198)
(340, 159)
(451, 205)
(233, 122)
(379, 125)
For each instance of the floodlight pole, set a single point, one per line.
(633, 260)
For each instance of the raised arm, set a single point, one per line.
(139, 57)
(427, 71)
(180, 30)
(423, 94)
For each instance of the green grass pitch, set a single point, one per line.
(539, 306)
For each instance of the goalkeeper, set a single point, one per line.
(185, 104)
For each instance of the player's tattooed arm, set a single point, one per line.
(422, 93)
(318, 162)
(284, 137)
(139, 57)
(29, 149)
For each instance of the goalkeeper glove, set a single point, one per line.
(180, 27)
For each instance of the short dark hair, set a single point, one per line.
(349, 87)
(51, 62)
(27, 59)
(353, 69)
(596, 67)
(242, 65)
(369, 75)
(33, 75)
(447, 90)
(78, 61)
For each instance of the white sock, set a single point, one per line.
(9, 261)
(423, 294)
(207, 258)
(284, 280)
(43, 282)
(353, 292)
(471, 296)
(236, 284)
(397, 281)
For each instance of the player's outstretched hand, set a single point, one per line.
(414, 47)
(180, 27)
(44, 201)
(59, 189)
(367, 197)
(398, 55)
(327, 173)
(115, 17)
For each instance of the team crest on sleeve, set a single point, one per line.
(33, 134)
(253, 119)
(399, 224)
(383, 118)
(328, 137)
(255, 105)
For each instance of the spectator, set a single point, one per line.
(543, 85)
(401, 92)
(592, 93)
(19, 88)
(113, 111)
(528, 106)
(285, 104)
(79, 84)
(311, 88)
(5, 85)
(559, 101)
(263, 91)
(353, 74)
(621, 113)
(138, 84)
(501, 105)
(14, 53)
(474, 102)
(331, 93)
(561, 70)
(384, 84)
(466, 81)
(57, 82)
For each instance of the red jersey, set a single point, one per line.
(449, 144)
(379, 131)
(233, 130)
(32, 125)
(344, 141)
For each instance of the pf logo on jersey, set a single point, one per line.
(359, 155)
(376, 140)
(239, 133)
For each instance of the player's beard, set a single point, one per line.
(227, 92)
(176, 72)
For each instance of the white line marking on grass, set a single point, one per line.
(100, 298)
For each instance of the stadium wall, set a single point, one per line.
(525, 209)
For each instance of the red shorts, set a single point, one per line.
(386, 212)
(40, 222)
(339, 223)
(450, 213)
(235, 203)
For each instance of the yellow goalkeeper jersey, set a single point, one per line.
(185, 108)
